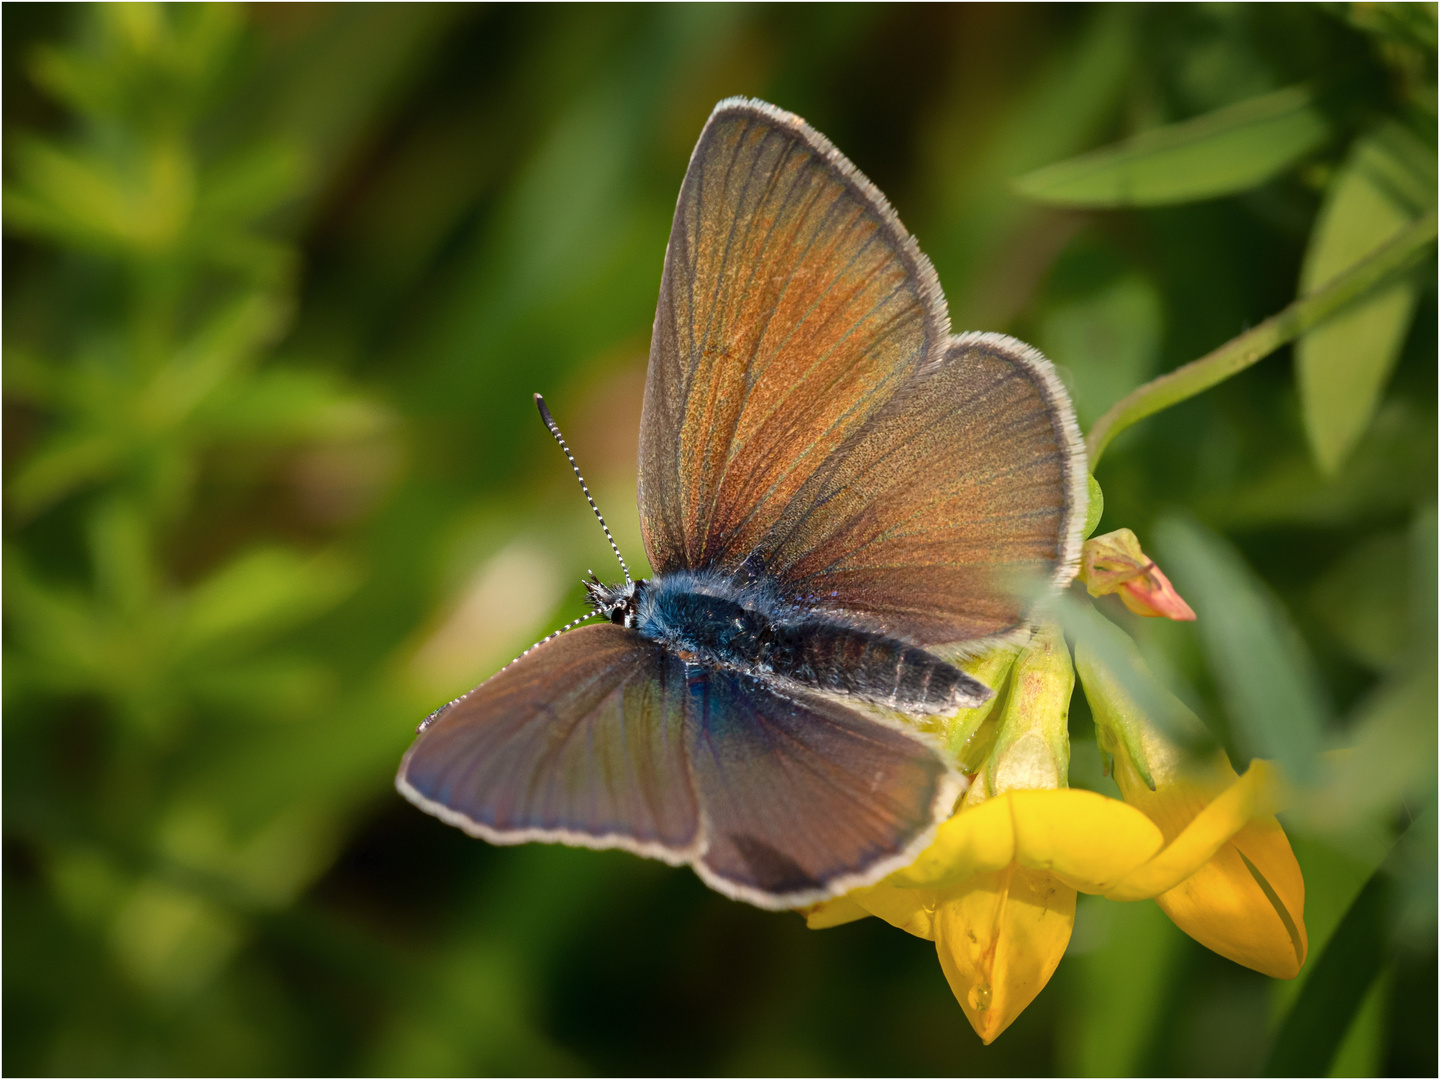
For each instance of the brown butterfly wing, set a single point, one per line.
(809, 420)
(803, 797)
(945, 514)
(793, 305)
(581, 740)
(602, 739)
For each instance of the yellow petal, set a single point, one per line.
(1247, 903)
(1227, 877)
(1000, 937)
(1196, 822)
(973, 841)
(835, 912)
(1087, 839)
(1271, 861)
(911, 910)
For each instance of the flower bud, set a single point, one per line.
(1114, 563)
(1032, 745)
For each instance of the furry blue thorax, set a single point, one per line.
(705, 618)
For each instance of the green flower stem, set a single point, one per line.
(1237, 354)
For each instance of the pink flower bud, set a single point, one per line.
(1114, 563)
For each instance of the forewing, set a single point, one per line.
(579, 741)
(793, 305)
(804, 798)
(956, 503)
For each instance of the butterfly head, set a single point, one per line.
(618, 603)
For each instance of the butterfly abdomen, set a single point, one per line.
(837, 658)
(712, 623)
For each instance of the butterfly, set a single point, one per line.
(838, 498)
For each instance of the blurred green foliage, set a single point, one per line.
(280, 282)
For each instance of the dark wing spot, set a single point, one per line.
(772, 869)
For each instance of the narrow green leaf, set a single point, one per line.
(1340, 977)
(1391, 744)
(1262, 666)
(1389, 739)
(1343, 364)
(66, 461)
(59, 634)
(1125, 697)
(273, 688)
(1221, 153)
(121, 557)
(263, 592)
(139, 204)
(1315, 1026)
(280, 404)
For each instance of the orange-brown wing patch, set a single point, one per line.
(793, 306)
(951, 509)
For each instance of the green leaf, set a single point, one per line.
(1390, 744)
(1258, 659)
(1388, 740)
(1343, 364)
(282, 404)
(120, 544)
(64, 462)
(263, 592)
(1221, 153)
(1312, 1031)
(208, 364)
(1126, 699)
(1363, 943)
(57, 639)
(135, 202)
(274, 688)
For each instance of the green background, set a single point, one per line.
(280, 281)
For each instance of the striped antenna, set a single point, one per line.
(551, 637)
(555, 430)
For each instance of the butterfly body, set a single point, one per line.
(707, 619)
(836, 494)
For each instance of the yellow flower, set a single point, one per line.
(985, 892)
(1229, 879)
(996, 889)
